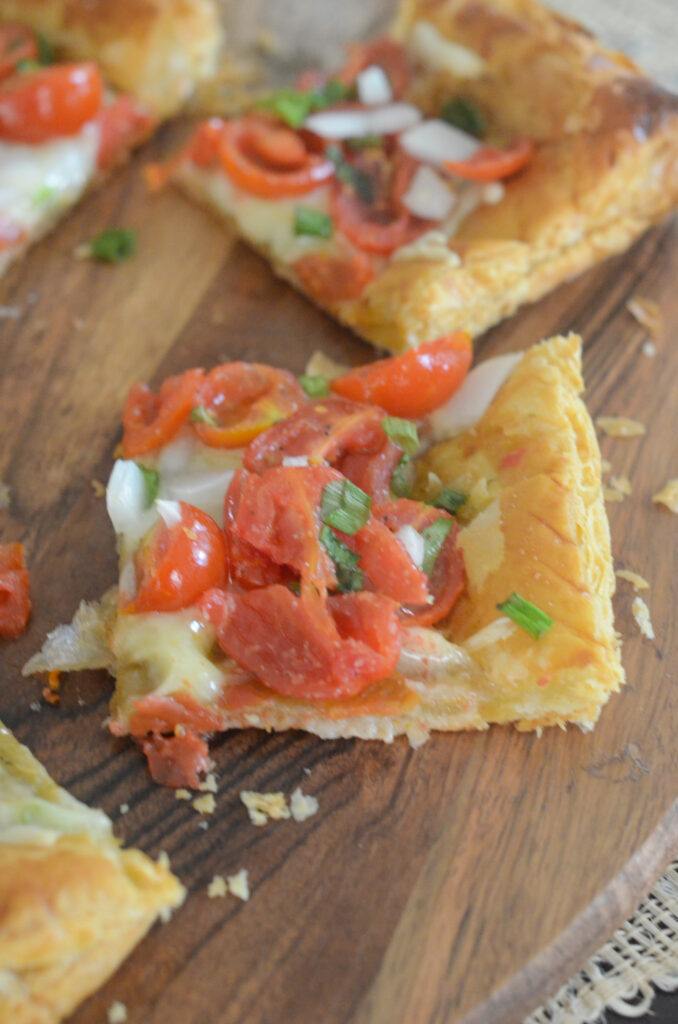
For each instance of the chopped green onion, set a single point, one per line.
(152, 480)
(365, 142)
(293, 106)
(464, 114)
(526, 615)
(308, 221)
(333, 92)
(45, 49)
(26, 66)
(401, 432)
(345, 561)
(315, 385)
(344, 506)
(359, 181)
(450, 500)
(434, 538)
(113, 245)
(200, 414)
(400, 483)
(44, 195)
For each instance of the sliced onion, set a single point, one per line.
(206, 489)
(127, 501)
(442, 54)
(169, 511)
(428, 196)
(373, 86)
(425, 654)
(356, 124)
(436, 141)
(468, 404)
(295, 460)
(413, 542)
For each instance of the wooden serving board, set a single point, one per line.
(460, 882)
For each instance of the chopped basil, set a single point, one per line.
(344, 506)
(45, 49)
(402, 432)
(400, 484)
(450, 500)
(464, 114)
(365, 142)
(349, 577)
(359, 181)
(152, 480)
(293, 106)
(434, 537)
(113, 245)
(526, 615)
(333, 92)
(308, 221)
(315, 385)
(200, 414)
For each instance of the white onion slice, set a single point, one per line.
(356, 124)
(468, 404)
(373, 86)
(413, 542)
(428, 196)
(206, 489)
(295, 460)
(127, 501)
(169, 511)
(425, 654)
(442, 54)
(436, 141)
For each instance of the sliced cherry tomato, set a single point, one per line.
(372, 470)
(491, 164)
(246, 566)
(415, 383)
(276, 146)
(245, 399)
(15, 601)
(446, 581)
(176, 564)
(149, 420)
(11, 234)
(330, 278)
(386, 564)
(122, 125)
(241, 145)
(177, 761)
(49, 103)
(390, 56)
(203, 146)
(308, 647)
(372, 230)
(17, 43)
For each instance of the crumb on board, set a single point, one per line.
(605, 465)
(50, 692)
(10, 312)
(668, 495)
(35, 705)
(417, 735)
(205, 804)
(641, 614)
(203, 824)
(98, 488)
(182, 794)
(217, 887)
(124, 808)
(117, 1013)
(639, 583)
(238, 885)
(612, 494)
(620, 426)
(209, 784)
(648, 314)
(163, 860)
(302, 806)
(264, 806)
(621, 483)
(648, 348)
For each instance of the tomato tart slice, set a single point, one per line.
(393, 550)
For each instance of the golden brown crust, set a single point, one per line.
(158, 50)
(71, 907)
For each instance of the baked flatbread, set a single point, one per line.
(72, 903)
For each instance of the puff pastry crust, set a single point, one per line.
(157, 50)
(72, 903)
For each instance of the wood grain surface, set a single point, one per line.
(460, 882)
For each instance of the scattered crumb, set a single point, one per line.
(649, 349)
(203, 824)
(262, 806)
(238, 885)
(648, 315)
(182, 794)
(612, 494)
(302, 806)
(4, 495)
(163, 860)
(668, 495)
(605, 465)
(620, 426)
(117, 1013)
(621, 483)
(35, 705)
(165, 915)
(50, 692)
(98, 488)
(307, 771)
(639, 583)
(124, 808)
(417, 735)
(10, 312)
(209, 784)
(217, 887)
(205, 804)
(641, 614)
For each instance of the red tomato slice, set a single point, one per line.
(306, 647)
(275, 145)
(241, 145)
(369, 230)
(49, 103)
(386, 564)
(446, 581)
(491, 164)
(203, 146)
(15, 601)
(17, 43)
(177, 761)
(392, 57)
(245, 399)
(415, 383)
(329, 278)
(176, 564)
(149, 420)
(122, 125)
(246, 566)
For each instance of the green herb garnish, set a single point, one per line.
(401, 432)
(45, 49)
(152, 481)
(450, 500)
(113, 245)
(44, 195)
(333, 92)
(464, 114)
(201, 414)
(434, 538)
(400, 484)
(349, 577)
(526, 615)
(315, 385)
(293, 105)
(344, 506)
(308, 221)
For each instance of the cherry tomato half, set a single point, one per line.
(122, 124)
(245, 150)
(49, 103)
(149, 420)
(15, 601)
(491, 164)
(329, 278)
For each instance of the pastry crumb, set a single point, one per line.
(182, 794)
(264, 806)
(649, 349)
(10, 312)
(35, 705)
(238, 885)
(205, 804)
(124, 808)
(639, 583)
(648, 314)
(620, 426)
(117, 1013)
(209, 784)
(612, 494)
(203, 824)
(605, 465)
(217, 887)
(302, 806)
(621, 483)
(641, 614)
(668, 495)
(98, 488)
(163, 860)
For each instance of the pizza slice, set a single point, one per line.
(61, 127)
(73, 904)
(483, 153)
(388, 553)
